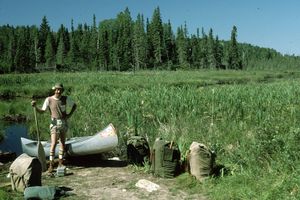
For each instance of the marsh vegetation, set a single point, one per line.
(250, 119)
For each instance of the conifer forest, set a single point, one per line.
(125, 43)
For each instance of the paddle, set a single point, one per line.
(41, 151)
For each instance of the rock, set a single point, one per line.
(148, 185)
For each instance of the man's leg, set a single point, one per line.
(62, 148)
(52, 151)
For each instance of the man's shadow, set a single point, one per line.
(95, 160)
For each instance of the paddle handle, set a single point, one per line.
(36, 124)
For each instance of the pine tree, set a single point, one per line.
(169, 45)
(139, 44)
(43, 34)
(23, 59)
(94, 45)
(73, 53)
(37, 52)
(7, 49)
(203, 51)
(149, 46)
(50, 51)
(124, 41)
(218, 49)
(8, 66)
(108, 45)
(234, 60)
(32, 47)
(195, 52)
(78, 38)
(181, 44)
(61, 53)
(211, 53)
(156, 36)
(64, 33)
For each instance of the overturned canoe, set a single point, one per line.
(103, 141)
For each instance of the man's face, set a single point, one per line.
(58, 91)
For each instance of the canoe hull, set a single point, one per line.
(103, 141)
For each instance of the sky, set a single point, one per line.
(265, 23)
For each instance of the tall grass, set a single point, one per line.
(251, 120)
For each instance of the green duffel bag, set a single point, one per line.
(165, 159)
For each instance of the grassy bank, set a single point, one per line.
(251, 119)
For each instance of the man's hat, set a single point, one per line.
(58, 86)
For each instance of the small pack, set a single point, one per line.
(138, 150)
(25, 172)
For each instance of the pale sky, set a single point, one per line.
(265, 23)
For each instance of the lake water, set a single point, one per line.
(12, 138)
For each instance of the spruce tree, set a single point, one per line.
(203, 51)
(104, 31)
(195, 52)
(139, 44)
(211, 53)
(149, 46)
(7, 49)
(156, 36)
(61, 53)
(181, 44)
(169, 45)
(73, 53)
(124, 41)
(234, 60)
(94, 45)
(218, 49)
(50, 51)
(32, 47)
(24, 58)
(43, 34)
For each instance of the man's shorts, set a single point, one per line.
(58, 126)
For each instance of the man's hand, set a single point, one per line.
(33, 103)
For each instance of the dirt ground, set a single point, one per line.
(96, 178)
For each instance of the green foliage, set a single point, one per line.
(189, 184)
(4, 195)
(7, 194)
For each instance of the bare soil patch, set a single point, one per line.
(94, 178)
(113, 179)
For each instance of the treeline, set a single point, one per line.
(124, 44)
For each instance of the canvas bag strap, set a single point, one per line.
(12, 180)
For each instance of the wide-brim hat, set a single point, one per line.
(58, 86)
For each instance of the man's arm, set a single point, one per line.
(33, 103)
(72, 111)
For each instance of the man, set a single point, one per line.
(57, 104)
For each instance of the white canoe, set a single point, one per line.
(103, 141)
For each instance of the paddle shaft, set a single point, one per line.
(36, 124)
(41, 152)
